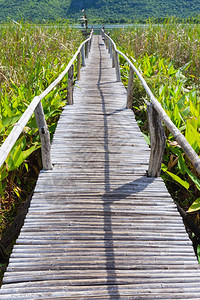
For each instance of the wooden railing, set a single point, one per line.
(156, 115)
(36, 107)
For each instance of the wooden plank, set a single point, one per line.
(97, 227)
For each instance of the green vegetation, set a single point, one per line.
(168, 57)
(31, 58)
(99, 11)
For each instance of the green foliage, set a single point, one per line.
(31, 57)
(99, 11)
(168, 57)
(195, 206)
(176, 178)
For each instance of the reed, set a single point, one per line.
(168, 56)
(31, 58)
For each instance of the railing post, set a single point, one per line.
(79, 67)
(109, 42)
(90, 42)
(87, 49)
(117, 68)
(70, 85)
(111, 47)
(113, 57)
(130, 89)
(83, 56)
(44, 137)
(106, 42)
(157, 139)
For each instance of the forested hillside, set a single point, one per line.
(97, 10)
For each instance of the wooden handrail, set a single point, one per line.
(179, 137)
(35, 106)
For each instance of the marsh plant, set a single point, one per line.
(31, 57)
(168, 56)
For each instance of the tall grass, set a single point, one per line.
(168, 56)
(178, 42)
(31, 57)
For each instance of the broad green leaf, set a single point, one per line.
(147, 138)
(6, 121)
(182, 182)
(186, 111)
(17, 153)
(176, 116)
(194, 178)
(26, 166)
(164, 167)
(1, 189)
(14, 155)
(195, 206)
(171, 70)
(198, 253)
(3, 174)
(192, 135)
(24, 154)
(181, 164)
(181, 102)
(193, 110)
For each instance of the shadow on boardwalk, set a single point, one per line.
(110, 197)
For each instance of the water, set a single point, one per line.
(97, 27)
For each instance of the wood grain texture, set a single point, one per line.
(98, 227)
(130, 89)
(158, 141)
(44, 137)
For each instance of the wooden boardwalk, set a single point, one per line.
(97, 227)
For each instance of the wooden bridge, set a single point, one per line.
(98, 227)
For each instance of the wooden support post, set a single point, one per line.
(70, 85)
(117, 66)
(79, 67)
(90, 43)
(158, 140)
(113, 57)
(44, 137)
(109, 43)
(130, 89)
(111, 52)
(83, 56)
(87, 49)
(106, 42)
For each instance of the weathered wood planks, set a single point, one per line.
(98, 227)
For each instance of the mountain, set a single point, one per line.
(97, 10)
